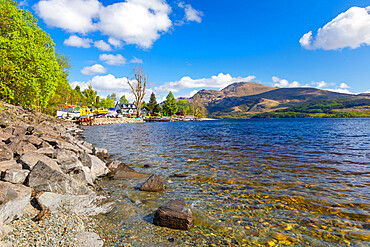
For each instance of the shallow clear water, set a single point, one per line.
(250, 182)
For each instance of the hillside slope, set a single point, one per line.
(269, 101)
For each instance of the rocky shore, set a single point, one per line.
(47, 183)
(47, 190)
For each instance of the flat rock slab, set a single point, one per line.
(30, 160)
(89, 239)
(154, 184)
(87, 205)
(44, 178)
(9, 164)
(13, 200)
(15, 176)
(174, 215)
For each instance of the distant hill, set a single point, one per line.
(238, 89)
(269, 101)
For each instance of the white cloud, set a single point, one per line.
(78, 42)
(23, 3)
(349, 29)
(81, 84)
(340, 90)
(191, 14)
(113, 59)
(76, 16)
(93, 70)
(284, 83)
(103, 46)
(220, 81)
(136, 60)
(107, 84)
(115, 42)
(321, 84)
(139, 22)
(343, 85)
(368, 91)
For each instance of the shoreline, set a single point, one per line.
(47, 187)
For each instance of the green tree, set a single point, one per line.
(184, 106)
(170, 105)
(30, 69)
(152, 105)
(123, 99)
(90, 96)
(107, 103)
(113, 96)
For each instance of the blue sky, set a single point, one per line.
(185, 46)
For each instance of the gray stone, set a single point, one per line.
(9, 164)
(29, 160)
(97, 167)
(81, 145)
(15, 176)
(99, 150)
(44, 178)
(154, 184)
(67, 159)
(50, 139)
(4, 230)
(48, 151)
(88, 239)
(88, 205)
(82, 175)
(13, 200)
(174, 215)
(5, 136)
(33, 140)
(19, 130)
(69, 146)
(112, 166)
(5, 153)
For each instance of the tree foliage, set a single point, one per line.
(91, 96)
(152, 104)
(107, 103)
(30, 69)
(184, 107)
(170, 105)
(123, 99)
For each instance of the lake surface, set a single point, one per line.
(253, 182)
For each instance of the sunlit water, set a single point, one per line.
(261, 182)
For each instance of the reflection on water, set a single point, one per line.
(250, 182)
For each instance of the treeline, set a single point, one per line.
(327, 106)
(31, 70)
(171, 106)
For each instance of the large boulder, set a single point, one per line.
(44, 178)
(97, 167)
(174, 215)
(48, 151)
(79, 204)
(123, 171)
(4, 136)
(88, 239)
(29, 160)
(5, 153)
(82, 175)
(15, 176)
(69, 146)
(13, 200)
(33, 140)
(154, 184)
(67, 159)
(9, 164)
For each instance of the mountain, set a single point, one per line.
(269, 101)
(238, 89)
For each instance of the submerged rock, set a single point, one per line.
(154, 184)
(174, 215)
